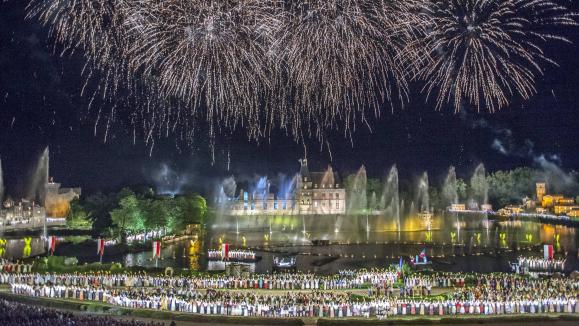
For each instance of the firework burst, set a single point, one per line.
(340, 59)
(483, 52)
(186, 67)
(207, 54)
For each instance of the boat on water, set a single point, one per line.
(284, 262)
(421, 261)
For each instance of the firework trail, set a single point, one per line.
(192, 68)
(483, 52)
(340, 59)
(210, 55)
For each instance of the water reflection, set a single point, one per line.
(454, 242)
(21, 247)
(451, 228)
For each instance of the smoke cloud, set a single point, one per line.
(167, 181)
(550, 165)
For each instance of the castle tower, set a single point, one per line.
(541, 191)
(305, 187)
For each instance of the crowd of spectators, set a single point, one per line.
(17, 314)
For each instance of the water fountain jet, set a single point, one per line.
(391, 197)
(40, 177)
(479, 186)
(449, 189)
(1, 183)
(357, 199)
(423, 197)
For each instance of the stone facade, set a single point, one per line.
(313, 193)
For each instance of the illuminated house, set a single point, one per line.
(511, 209)
(20, 213)
(559, 204)
(556, 200)
(57, 200)
(458, 207)
(565, 209)
(320, 192)
(307, 193)
(541, 188)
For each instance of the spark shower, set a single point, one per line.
(309, 67)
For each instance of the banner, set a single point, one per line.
(225, 251)
(548, 252)
(156, 249)
(51, 244)
(101, 247)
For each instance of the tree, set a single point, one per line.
(154, 212)
(577, 200)
(176, 220)
(128, 216)
(78, 217)
(193, 209)
(99, 206)
(509, 187)
(461, 190)
(435, 199)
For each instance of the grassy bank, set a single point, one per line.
(425, 320)
(56, 264)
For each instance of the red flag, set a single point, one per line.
(52, 244)
(101, 247)
(548, 252)
(225, 251)
(157, 249)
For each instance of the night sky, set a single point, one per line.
(40, 105)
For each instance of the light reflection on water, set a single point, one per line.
(475, 245)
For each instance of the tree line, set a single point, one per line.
(504, 187)
(128, 212)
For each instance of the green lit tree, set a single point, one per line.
(192, 209)
(128, 217)
(78, 217)
(155, 213)
(175, 220)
